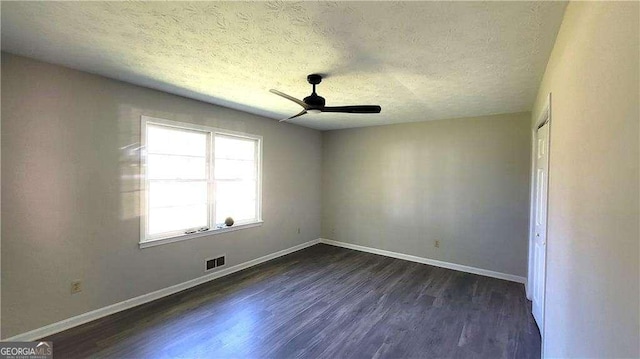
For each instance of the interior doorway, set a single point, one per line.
(539, 206)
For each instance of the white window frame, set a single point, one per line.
(150, 241)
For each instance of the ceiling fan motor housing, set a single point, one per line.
(314, 100)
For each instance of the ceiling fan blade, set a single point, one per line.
(353, 109)
(290, 98)
(294, 116)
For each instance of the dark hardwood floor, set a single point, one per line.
(321, 302)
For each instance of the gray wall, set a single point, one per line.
(70, 193)
(593, 251)
(464, 182)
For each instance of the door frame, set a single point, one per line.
(544, 117)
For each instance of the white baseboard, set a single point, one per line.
(145, 298)
(433, 262)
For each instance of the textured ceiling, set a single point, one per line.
(418, 60)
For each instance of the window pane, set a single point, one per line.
(176, 167)
(171, 140)
(235, 148)
(235, 174)
(171, 194)
(230, 191)
(235, 169)
(167, 219)
(238, 210)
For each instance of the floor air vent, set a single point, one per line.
(214, 263)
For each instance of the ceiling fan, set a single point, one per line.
(315, 104)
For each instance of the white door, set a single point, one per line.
(540, 223)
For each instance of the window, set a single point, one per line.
(195, 177)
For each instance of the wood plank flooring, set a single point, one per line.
(321, 302)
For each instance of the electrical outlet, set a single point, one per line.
(76, 287)
(436, 244)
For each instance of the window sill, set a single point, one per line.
(161, 241)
